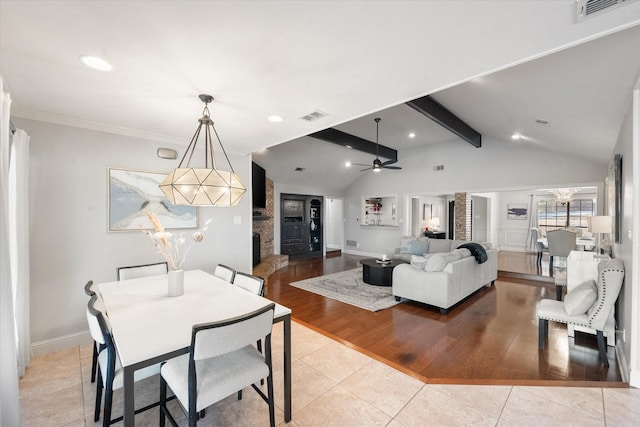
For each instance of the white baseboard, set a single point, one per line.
(634, 379)
(621, 358)
(360, 253)
(60, 343)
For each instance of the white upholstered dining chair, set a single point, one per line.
(136, 271)
(225, 273)
(221, 361)
(110, 375)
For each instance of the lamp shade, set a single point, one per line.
(208, 186)
(600, 224)
(203, 187)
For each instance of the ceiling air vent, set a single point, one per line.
(314, 116)
(588, 8)
(438, 168)
(299, 169)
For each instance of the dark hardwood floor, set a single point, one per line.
(489, 338)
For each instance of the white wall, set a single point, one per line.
(333, 224)
(624, 249)
(68, 223)
(498, 165)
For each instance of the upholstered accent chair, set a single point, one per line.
(588, 305)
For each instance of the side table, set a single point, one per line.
(378, 273)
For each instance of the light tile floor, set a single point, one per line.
(333, 385)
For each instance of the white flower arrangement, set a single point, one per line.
(170, 245)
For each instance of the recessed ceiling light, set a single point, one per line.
(412, 135)
(348, 146)
(516, 136)
(275, 119)
(96, 63)
(348, 164)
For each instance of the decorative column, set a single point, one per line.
(462, 218)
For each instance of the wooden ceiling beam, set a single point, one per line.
(445, 118)
(347, 140)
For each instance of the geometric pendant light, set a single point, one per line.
(206, 186)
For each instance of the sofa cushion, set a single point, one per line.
(418, 262)
(405, 244)
(437, 262)
(464, 252)
(581, 298)
(419, 247)
(439, 245)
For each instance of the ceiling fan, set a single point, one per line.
(378, 165)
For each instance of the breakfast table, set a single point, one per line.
(149, 327)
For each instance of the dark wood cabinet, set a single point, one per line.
(301, 226)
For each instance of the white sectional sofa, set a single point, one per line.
(444, 275)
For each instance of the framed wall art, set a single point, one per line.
(131, 192)
(517, 211)
(614, 194)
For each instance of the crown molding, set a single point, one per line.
(95, 126)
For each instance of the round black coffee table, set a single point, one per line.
(378, 273)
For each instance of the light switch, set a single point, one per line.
(237, 220)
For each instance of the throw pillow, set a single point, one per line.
(419, 247)
(464, 252)
(418, 262)
(581, 298)
(437, 262)
(439, 245)
(405, 244)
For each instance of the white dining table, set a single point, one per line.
(149, 327)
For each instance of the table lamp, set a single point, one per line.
(435, 223)
(600, 225)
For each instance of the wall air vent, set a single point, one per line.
(438, 168)
(352, 243)
(588, 8)
(314, 116)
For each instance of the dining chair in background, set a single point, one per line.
(221, 361)
(110, 375)
(225, 273)
(560, 243)
(255, 285)
(136, 271)
(90, 290)
(540, 248)
(249, 282)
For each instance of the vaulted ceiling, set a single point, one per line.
(489, 62)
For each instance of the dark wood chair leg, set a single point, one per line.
(163, 402)
(559, 293)
(94, 362)
(96, 415)
(444, 311)
(602, 347)
(539, 258)
(543, 330)
(550, 263)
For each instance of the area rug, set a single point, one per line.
(348, 287)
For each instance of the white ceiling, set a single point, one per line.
(351, 59)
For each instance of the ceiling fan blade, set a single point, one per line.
(389, 162)
(391, 167)
(366, 169)
(359, 164)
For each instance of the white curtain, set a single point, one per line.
(9, 393)
(533, 223)
(19, 240)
